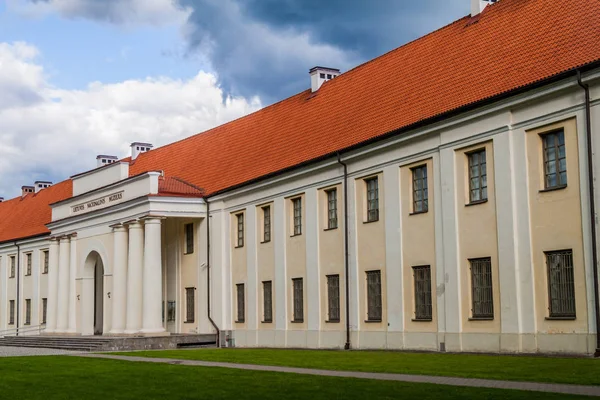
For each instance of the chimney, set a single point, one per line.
(137, 148)
(25, 190)
(477, 6)
(320, 75)
(102, 160)
(39, 185)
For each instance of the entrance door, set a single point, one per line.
(98, 297)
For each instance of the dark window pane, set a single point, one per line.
(561, 285)
(374, 312)
(481, 288)
(298, 299)
(241, 303)
(333, 297)
(422, 280)
(477, 176)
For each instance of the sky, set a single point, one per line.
(80, 78)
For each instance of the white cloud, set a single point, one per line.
(54, 132)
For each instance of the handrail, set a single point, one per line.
(23, 329)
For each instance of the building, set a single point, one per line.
(438, 197)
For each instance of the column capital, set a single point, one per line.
(133, 224)
(149, 219)
(119, 227)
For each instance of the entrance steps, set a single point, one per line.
(106, 343)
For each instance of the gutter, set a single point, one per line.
(18, 273)
(592, 204)
(346, 252)
(208, 272)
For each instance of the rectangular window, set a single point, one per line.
(45, 310)
(333, 297)
(27, 311)
(190, 304)
(12, 267)
(171, 311)
(298, 300)
(46, 261)
(240, 230)
(332, 218)
(477, 176)
(241, 303)
(420, 190)
(266, 224)
(11, 311)
(189, 238)
(423, 309)
(297, 204)
(555, 160)
(561, 285)
(267, 301)
(481, 288)
(373, 295)
(372, 199)
(28, 264)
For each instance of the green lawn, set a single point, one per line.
(67, 377)
(583, 371)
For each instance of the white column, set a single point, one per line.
(72, 292)
(52, 286)
(134, 278)
(62, 318)
(119, 290)
(152, 278)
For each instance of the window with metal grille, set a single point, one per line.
(267, 301)
(423, 308)
(481, 288)
(12, 267)
(373, 295)
(333, 297)
(332, 218)
(44, 310)
(27, 311)
(11, 312)
(298, 299)
(372, 199)
(420, 190)
(561, 285)
(297, 205)
(171, 311)
(28, 264)
(46, 256)
(241, 303)
(266, 224)
(190, 304)
(555, 160)
(477, 176)
(189, 238)
(240, 230)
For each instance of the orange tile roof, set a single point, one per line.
(513, 44)
(171, 186)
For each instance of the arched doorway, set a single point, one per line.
(92, 307)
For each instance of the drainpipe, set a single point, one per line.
(592, 203)
(346, 254)
(18, 272)
(208, 271)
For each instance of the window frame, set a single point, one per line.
(333, 299)
(44, 310)
(27, 312)
(297, 300)
(267, 305)
(45, 261)
(240, 308)
(28, 263)
(470, 156)
(266, 223)
(554, 315)
(240, 230)
(424, 190)
(372, 205)
(11, 312)
(559, 184)
(332, 209)
(296, 216)
(426, 295)
(190, 307)
(189, 238)
(377, 297)
(477, 304)
(171, 311)
(12, 266)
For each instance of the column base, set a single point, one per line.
(155, 332)
(132, 332)
(118, 332)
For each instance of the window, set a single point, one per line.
(28, 264)
(171, 311)
(241, 304)
(189, 238)
(422, 277)
(332, 219)
(189, 304)
(477, 176)
(12, 267)
(333, 297)
(266, 224)
(240, 230)
(46, 260)
(267, 301)
(297, 205)
(420, 192)
(372, 199)
(11, 311)
(481, 288)
(45, 310)
(27, 311)
(561, 286)
(555, 160)
(374, 296)
(298, 300)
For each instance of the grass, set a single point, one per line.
(65, 377)
(583, 371)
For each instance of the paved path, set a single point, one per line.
(437, 380)
(6, 351)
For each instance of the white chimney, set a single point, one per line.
(39, 185)
(103, 160)
(25, 190)
(477, 6)
(137, 148)
(320, 75)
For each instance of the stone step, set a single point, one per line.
(72, 347)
